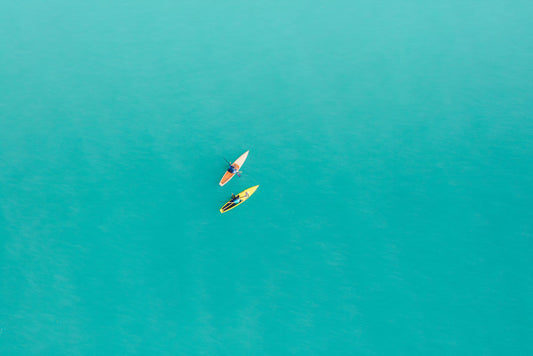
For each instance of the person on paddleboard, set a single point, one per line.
(232, 169)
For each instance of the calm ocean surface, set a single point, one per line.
(393, 145)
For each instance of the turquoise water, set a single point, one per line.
(393, 145)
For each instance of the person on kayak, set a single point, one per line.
(235, 199)
(232, 169)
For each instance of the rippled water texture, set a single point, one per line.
(392, 142)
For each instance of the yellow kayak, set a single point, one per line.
(243, 196)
